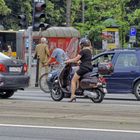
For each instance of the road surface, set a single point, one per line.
(31, 114)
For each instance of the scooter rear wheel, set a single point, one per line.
(99, 98)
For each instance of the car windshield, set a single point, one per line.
(3, 56)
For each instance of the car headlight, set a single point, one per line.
(50, 75)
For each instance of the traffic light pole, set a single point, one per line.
(37, 73)
(33, 4)
(29, 32)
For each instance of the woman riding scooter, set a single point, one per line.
(85, 57)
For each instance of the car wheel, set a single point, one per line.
(6, 94)
(137, 90)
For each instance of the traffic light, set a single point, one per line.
(38, 15)
(22, 21)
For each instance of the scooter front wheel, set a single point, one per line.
(99, 96)
(56, 93)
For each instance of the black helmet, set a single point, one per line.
(84, 42)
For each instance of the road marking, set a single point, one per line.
(70, 128)
(31, 91)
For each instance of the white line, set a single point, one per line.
(70, 128)
(30, 91)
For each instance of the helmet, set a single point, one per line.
(84, 42)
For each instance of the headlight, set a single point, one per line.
(49, 75)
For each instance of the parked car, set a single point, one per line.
(126, 75)
(13, 76)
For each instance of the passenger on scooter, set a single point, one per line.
(85, 57)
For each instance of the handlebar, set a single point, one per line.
(53, 64)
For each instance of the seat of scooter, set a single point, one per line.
(89, 74)
(89, 78)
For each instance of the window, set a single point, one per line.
(103, 58)
(126, 60)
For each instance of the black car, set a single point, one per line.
(126, 75)
(13, 76)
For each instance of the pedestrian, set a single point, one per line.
(9, 51)
(85, 57)
(135, 44)
(42, 53)
(59, 55)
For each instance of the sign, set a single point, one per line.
(132, 39)
(133, 31)
(27, 43)
(112, 38)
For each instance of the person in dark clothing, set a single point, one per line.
(85, 57)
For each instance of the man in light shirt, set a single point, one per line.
(59, 54)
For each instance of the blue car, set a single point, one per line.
(126, 75)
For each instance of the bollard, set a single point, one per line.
(37, 73)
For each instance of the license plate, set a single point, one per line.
(104, 90)
(15, 69)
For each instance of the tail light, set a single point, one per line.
(102, 80)
(25, 68)
(2, 68)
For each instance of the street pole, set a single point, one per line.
(122, 27)
(29, 32)
(37, 72)
(83, 11)
(68, 12)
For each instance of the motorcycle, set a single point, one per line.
(92, 85)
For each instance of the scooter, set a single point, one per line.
(92, 85)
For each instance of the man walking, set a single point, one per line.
(42, 53)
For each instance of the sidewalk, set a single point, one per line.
(33, 77)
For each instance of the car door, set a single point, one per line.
(104, 57)
(126, 69)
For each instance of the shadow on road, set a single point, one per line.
(121, 99)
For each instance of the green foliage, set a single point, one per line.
(55, 12)
(17, 7)
(98, 12)
(125, 13)
(4, 10)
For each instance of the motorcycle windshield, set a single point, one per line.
(73, 48)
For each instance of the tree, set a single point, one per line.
(97, 11)
(3, 12)
(126, 13)
(4, 6)
(17, 7)
(55, 12)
